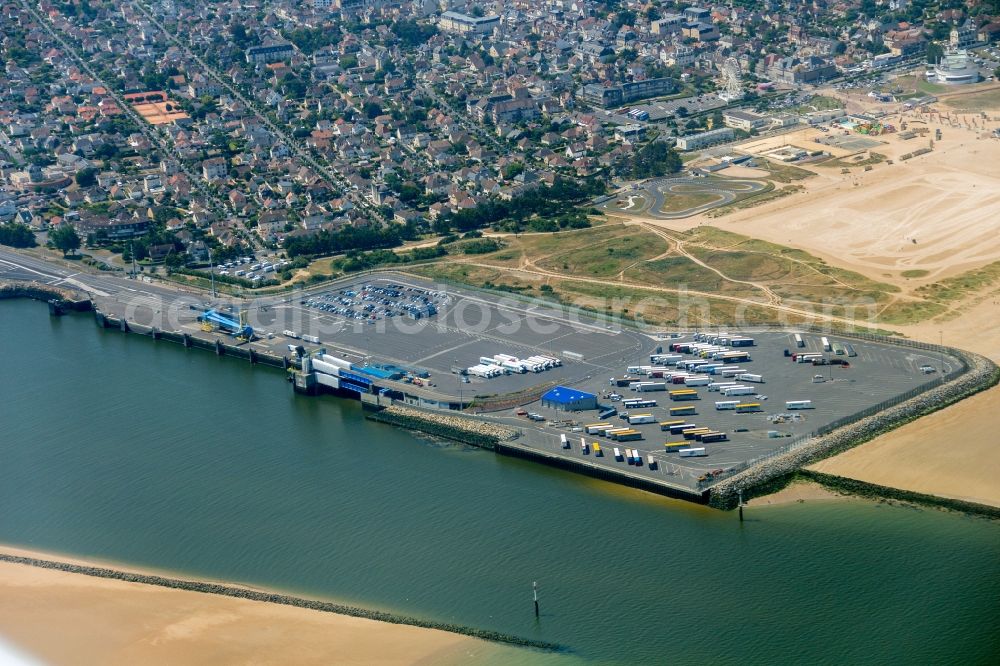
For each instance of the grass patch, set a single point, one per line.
(819, 103)
(911, 312)
(915, 273)
(988, 100)
(756, 200)
(784, 173)
(788, 271)
(958, 287)
(675, 203)
(608, 256)
(846, 162)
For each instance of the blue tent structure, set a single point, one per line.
(568, 399)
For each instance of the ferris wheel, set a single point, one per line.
(732, 79)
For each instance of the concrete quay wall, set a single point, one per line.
(189, 341)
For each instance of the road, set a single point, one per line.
(655, 193)
(152, 134)
(332, 175)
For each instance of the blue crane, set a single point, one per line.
(228, 324)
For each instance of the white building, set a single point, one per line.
(705, 139)
(464, 24)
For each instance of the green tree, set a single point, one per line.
(65, 238)
(86, 177)
(15, 234)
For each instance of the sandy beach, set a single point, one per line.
(102, 621)
(939, 213)
(800, 491)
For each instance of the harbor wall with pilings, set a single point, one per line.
(189, 341)
(760, 479)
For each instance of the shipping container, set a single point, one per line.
(748, 407)
(686, 410)
(635, 419)
(697, 381)
(698, 452)
(726, 404)
(652, 463)
(678, 429)
(799, 342)
(673, 447)
(629, 435)
(738, 390)
(664, 359)
(597, 450)
(618, 455)
(311, 338)
(594, 428)
(741, 342)
(714, 437)
(748, 377)
(716, 387)
(690, 433)
(636, 458)
(291, 334)
(638, 403)
(666, 425)
(799, 404)
(644, 387)
(513, 366)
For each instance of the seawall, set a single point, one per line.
(761, 478)
(876, 491)
(275, 598)
(449, 426)
(506, 441)
(59, 299)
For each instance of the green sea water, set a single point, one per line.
(120, 448)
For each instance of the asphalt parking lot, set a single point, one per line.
(878, 373)
(466, 326)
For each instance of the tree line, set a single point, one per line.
(15, 234)
(541, 203)
(347, 239)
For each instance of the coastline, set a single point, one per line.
(110, 621)
(799, 491)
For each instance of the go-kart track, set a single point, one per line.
(660, 198)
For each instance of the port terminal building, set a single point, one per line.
(567, 399)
